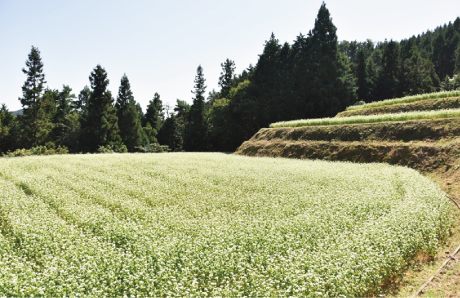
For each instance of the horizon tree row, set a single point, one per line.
(58, 118)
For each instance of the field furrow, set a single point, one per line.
(65, 261)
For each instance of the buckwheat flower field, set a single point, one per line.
(209, 224)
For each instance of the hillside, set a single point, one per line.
(431, 146)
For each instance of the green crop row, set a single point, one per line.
(406, 116)
(183, 224)
(406, 99)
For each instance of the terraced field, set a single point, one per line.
(421, 132)
(211, 224)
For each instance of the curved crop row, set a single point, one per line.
(212, 224)
(406, 99)
(437, 114)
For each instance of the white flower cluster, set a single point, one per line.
(210, 224)
(361, 119)
(406, 99)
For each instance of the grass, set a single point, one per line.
(424, 105)
(211, 224)
(407, 99)
(361, 119)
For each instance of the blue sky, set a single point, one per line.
(159, 44)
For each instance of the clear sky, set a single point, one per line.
(159, 44)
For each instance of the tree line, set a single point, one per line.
(315, 76)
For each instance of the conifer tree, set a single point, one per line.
(457, 59)
(327, 88)
(226, 77)
(155, 113)
(170, 134)
(196, 128)
(100, 126)
(131, 130)
(129, 123)
(362, 77)
(11, 130)
(66, 119)
(34, 119)
(420, 74)
(83, 99)
(440, 59)
(389, 80)
(125, 95)
(266, 83)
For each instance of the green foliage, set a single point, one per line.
(227, 76)
(34, 85)
(154, 115)
(457, 60)
(99, 123)
(363, 80)
(211, 224)
(418, 115)
(196, 129)
(125, 96)
(11, 131)
(112, 149)
(130, 128)
(153, 148)
(233, 120)
(389, 81)
(38, 150)
(83, 99)
(131, 131)
(171, 134)
(150, 133)
(329, 94)
(37, 108)
(420, 75)
(66, 120)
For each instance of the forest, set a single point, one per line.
(314, 77)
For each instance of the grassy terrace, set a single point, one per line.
(423, 105)
(407, 99)
(211, 224)
(361, 119)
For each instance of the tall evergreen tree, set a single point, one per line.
(11, 130)
(34, 119)
(440, 58)
(389, 84)
(457, 60)
(266, 83)
(131, 131)
(420, 74)
(226, 77)
(83, 99)
(155, 113)
(125, 95)
(66, 119)
(327, 89)
(170, 134)
(196, 127)
(100, 126)
(362, 77)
